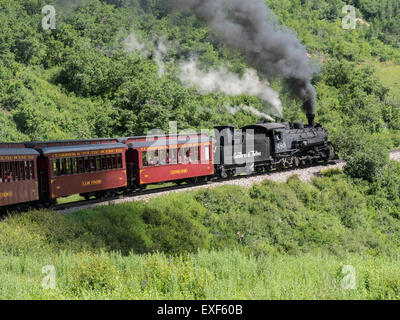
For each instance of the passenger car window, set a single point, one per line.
(144, 157)
(207, 153)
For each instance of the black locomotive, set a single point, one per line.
(268, 145)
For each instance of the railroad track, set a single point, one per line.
(305, 174)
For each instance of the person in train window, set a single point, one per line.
(7, 176)
(92, 166)
(156, 157)
(167, 160)
(187, 157)
(81, 168)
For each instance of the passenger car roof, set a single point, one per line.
(18, 152)
(56, 143)
(77, 148)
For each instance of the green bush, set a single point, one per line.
(94, 272)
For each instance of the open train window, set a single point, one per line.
(32, 169)
(92, 164)
(81, 165)
(74, 165)
(27, 170)
(87, 164)
(115, 161)
(197, 154)
(109, 162)
(98, 163)
(194, 155)
(103, 163)
(7, 173)
(64, 170)
(163, 157)
(181, 155)
(172, 156)
(2, 172)
(150, 158)
(144, 157)
(56, 167)
(15, 171)
(28, 167)
(22, 170)
(207, 153)
(119, 159)
(156, 158)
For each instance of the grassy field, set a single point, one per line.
(203, 275)
(389, 74)
(272, 241)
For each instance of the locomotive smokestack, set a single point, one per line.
(309, 109)
(311, 118)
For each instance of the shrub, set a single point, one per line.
(94, 272)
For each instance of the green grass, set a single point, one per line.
(389, 74)
(273, 241)
(202, 275)
(73, 198)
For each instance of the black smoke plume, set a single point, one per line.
(250, 27)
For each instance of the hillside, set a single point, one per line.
(272, 241)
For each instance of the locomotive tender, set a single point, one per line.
(37, 173)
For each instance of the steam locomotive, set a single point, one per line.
(266, 146)
(38, 173)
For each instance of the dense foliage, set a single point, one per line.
(80, 81)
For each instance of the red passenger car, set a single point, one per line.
(169, 158)
(18, 178)
(90, 170)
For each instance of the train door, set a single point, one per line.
(133, 166)
(43, 171)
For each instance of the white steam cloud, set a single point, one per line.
(159, 55)
(132, 44)
(234, 110)
(221, 80)
(211, 81)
